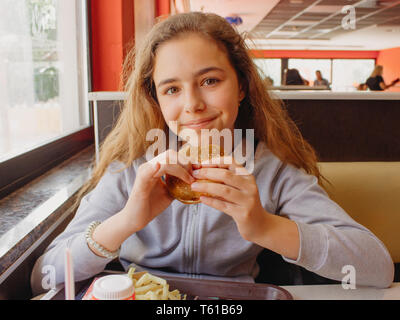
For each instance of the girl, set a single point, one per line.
(194, 69)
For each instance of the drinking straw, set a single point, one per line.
(69, 276)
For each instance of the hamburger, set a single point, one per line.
(179, 189)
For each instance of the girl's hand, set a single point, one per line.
(149, 196)
(234, 191)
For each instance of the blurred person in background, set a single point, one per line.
(320, 81)
(293, 77)
(375, 81)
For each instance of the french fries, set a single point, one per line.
(150, 287)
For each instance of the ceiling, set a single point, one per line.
(313, 24)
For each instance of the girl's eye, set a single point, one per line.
(210, 81)
(172, 90)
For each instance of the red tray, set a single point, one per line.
(198, 289)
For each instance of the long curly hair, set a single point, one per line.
(141, 112)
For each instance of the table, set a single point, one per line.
(336, 292)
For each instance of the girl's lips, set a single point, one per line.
(199, 124)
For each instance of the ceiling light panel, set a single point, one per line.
(340, 3)
(324, 9)
(300, 23)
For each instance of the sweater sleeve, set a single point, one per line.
(329, 238)
(106, 199)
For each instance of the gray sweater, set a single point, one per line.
(199, 241)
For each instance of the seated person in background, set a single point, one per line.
(293, 77)
(375, 81)
(320, 81)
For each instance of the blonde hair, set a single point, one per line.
(377, 71)
(141, 112)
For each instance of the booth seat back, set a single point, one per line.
(370, 193)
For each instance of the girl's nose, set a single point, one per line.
(193, 102)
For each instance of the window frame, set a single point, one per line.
(285, 63)
(20, 169)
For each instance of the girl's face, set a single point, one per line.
(196, 85)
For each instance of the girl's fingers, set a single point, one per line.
(223, 169)
(222, 162)
(220, 175)
(219, 190)
(174, 170)
(221, 205)
(172, 163)
(226, 162)
(146, 174)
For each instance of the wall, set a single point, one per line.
(112, 34)
(390, 60)
(112, 26)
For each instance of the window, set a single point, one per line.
(43, 77)
(307, 68)
(342, 74)
(44, 114)
(270, 68)
(347, 74)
